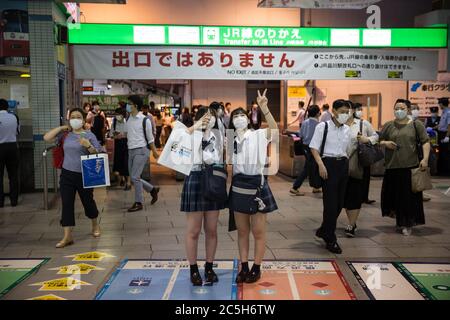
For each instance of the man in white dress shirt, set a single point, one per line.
(333, 169)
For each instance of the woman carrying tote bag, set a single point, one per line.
(402, 154)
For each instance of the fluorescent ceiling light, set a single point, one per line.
(377, 37)
(149, 34)
(345, 37)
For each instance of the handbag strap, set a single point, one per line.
(324, 139)
(418, 143)
(361, 126)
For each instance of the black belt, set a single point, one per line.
(336, 158)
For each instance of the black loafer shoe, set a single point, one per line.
(334, 248)
(136, 207)
(241, 276)
(253, 276)
(154, 194)
(196, 280)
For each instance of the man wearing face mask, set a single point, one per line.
(434, 119)
(139, 133)
(334, 135)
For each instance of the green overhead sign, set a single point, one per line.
(233, 36)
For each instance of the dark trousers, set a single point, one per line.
(158, 137)
(333, 196)
(444, 155)
(71, 183)
(9, 158)
(302, 176)
(366, 184)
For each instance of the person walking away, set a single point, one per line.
(198, 209)
(333, 169)
(227, 113)
(120, 164)
(306, 134)
(301, 115)
(326, 114)
(434, 119)
(361, 131)
(444, 138)
(98, 123)
(255, 116)
(186, 118)
(402, 154)
(140, 141)
(159, 126)
(76, 142)
(9, 153)
(167, 125)
(146, 112)
(250, 198)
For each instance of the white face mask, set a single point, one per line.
(76, 123)
(358, 114)
(240, 123)
(342, 118)
(400, 114)
(415, 114)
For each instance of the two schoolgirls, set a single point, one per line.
(250, 197)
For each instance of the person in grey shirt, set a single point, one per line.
(326, 114)
(76, 142)
(306, 134)
(9, 153)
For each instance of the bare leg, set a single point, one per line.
(243, 228)
(210, 227)
(258, 223)
(352, 216)
(194, 226)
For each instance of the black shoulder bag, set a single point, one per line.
(418, 143)
(213, 180)
(315, 181)
(368, 154)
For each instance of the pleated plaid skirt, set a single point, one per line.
(235, 201)
(192, 198)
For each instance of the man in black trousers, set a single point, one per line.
(9, 153)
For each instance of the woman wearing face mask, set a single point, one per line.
(250, 197)
(333, 169)
(360, 131)
(414, 113)
(120, 165)
(255, 116)
(198, 209)
(399, 138)
(76, 143)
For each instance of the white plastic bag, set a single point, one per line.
(180, 151)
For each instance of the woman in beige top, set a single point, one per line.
(399, 138)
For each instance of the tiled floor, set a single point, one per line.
(157, 232)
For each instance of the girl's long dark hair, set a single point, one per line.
(234, 113)
(203, 110)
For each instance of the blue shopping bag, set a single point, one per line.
(95, 170)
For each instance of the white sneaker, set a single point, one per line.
(407, 231)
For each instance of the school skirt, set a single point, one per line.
(192, 199)
(354, 194)
(236, 200)
(398, 201)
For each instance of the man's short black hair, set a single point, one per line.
(434, 109)
(357, 105)
(340, 103)
(136, 100)
(313, 111)
(3, 104)
(443, 101)
(301, 104)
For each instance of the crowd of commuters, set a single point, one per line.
(330, 140)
